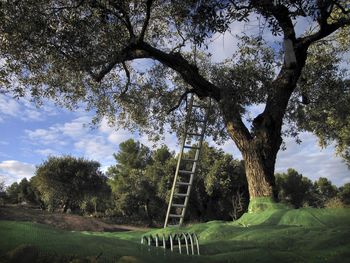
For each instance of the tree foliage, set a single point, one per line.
(24, 191)
(325, 90)
(140, 180)
(68, 182)
(86, 51)
(324, 191)
(220, 187)
(344, 193)
(299, 191)
(294, 188)
(143, 191)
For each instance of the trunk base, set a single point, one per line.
(260, 204)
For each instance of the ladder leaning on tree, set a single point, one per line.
(195, 126)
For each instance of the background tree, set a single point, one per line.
(220, 190)
(141, 180)
(2, 192)
(344, 193)
(142, 192)
(81, 51)
(324, 191)
(20, 192)
(67, 182)
(294, 189)
(12, 193)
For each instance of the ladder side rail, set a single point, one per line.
(183, 143)
(194, 167)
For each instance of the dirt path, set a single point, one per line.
(62, 221)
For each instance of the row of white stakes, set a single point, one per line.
(186, 239)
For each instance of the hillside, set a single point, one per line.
(276, 235)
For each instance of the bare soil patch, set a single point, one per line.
(59, 220)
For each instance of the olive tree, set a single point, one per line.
(80, 50)
(68, 183)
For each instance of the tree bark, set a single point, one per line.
(260, 145)
(260, 174)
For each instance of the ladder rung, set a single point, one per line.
(182, 183)
(178, 194)
(190, 160)
(199, 106)
(186, 172)
(194, 134)
(191, 147)
(179, 205)
(178, 225)
(175, 215)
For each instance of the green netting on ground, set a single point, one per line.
(260, 204)
(281, 235)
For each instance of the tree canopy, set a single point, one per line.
(87, 51)
(143, 191)
(67, 182)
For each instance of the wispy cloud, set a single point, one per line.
(113, 135)
(96, 147)
(312, 161)
(8, 106)
(50, 136)
(77, 138)
(47, 152)
(25, 110)
(14, 171)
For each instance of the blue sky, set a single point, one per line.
(28, 135)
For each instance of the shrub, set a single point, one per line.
(334, 202)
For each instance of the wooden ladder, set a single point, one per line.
(195, 126)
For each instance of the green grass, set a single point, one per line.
(274, 235)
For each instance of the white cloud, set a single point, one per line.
(75, 137)
(32, 115)
(75, 128)
(50, 136)
(96, 148)
(47, 152)
(100, 144)
(170, 140)
(24, 109)
(114, 136)
(223, 46)
(312, 161)
(8, 106)
(14, 171)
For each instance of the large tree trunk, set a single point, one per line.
(259, 148)
(260, 161)
(260, 177)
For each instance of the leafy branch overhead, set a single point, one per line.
(134, 61)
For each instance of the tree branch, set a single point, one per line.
(179, 46)
(325, 30)
(183, 96)
(128, 53)
(342, 8)
(127, 73)
(201, 86)
(235, 127)
(282, 15)
(146, 22)
(124, 18)
(57, 9)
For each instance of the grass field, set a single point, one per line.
(275, 235)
